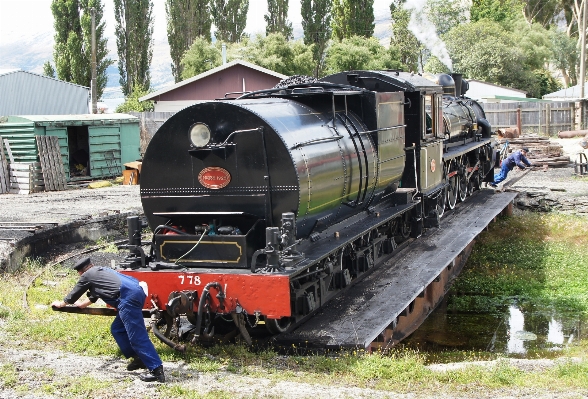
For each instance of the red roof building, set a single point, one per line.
(228, 80)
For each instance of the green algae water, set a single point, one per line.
(508, 329)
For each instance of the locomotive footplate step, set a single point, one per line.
(382, 306)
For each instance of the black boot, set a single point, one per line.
(136, 364)
(154, 375)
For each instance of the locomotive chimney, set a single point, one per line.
(457, 78)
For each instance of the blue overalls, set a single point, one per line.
(128, 327)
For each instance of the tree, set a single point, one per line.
(229, 18)
(446, 14)
(200, 57)
(485, 51)
(277, 18)
(316, 24)
(495, 10)
(359, 52)
(72, 52)
(408, 46)
(543, 12)
(134, 42)
(353, 18)
(534, 40)
(132, 103)
(278, 54)
(565, 56)
(186, 21)
(48, 70)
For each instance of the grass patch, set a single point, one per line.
(108, 245)
(537, 259)
(177, 391)
(8, 376)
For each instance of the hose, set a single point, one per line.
(203, 297)
(165, 340)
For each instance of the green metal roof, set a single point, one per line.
(81, 119)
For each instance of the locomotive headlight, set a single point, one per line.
(199, 134)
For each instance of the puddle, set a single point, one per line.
(511, 329)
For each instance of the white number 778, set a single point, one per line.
(191, 279)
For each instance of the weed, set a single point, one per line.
(8, 376)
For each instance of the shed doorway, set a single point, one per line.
(79, 151)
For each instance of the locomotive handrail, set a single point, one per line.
(314, 141)
(257, 129)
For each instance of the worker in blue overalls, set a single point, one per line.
(517, 158)
(123, 293)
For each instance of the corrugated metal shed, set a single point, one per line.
(27, 93)
(92, 146)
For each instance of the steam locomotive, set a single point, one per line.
(265, 207)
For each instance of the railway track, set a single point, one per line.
(388, 305)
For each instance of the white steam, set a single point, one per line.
(424, 30)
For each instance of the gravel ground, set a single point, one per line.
(36, 370)
(39, 369)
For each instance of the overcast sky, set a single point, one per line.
(26, 35)
(25, 18)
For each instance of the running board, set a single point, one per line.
(392, 302)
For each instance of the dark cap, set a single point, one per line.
(525, 149)
(81, 264)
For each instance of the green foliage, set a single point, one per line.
(403, 40)
(534, 41)
(48, 69)
(352, 18)
(72, 52)
(316, 24)
(484, 51)
(542, 12)
(230, 18)
(134, 42)
(132, 102)
(200, 57)
(276, 53)
(277, 18)
(445, 14)
(359, 52)
(433, 65)
(186, 21)
(547, 83)
(495, 10)
(565, 55)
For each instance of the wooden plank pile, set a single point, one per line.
(4, 176)
(542, 150)
(51, 163)
(23, 178)
(30, 177)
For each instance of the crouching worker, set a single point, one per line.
(128, 328)
(517, 158)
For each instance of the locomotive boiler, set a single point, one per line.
(265, 207)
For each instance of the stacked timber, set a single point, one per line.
(4, 175)
(542, 151)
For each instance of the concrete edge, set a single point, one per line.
(76, 231)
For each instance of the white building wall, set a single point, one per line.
(481, 90)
